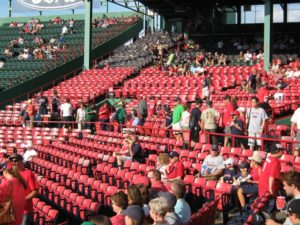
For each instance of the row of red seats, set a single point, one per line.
(43, 213)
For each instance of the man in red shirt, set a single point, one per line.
(270, 176)
(176, 169)
(155, 178)
(262, 92)
(227, 118)
(31, 191)
(103, 116)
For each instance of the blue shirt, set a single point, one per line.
(183, 210)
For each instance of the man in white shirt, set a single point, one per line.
(255, 119)
(66, 112)
(296, 126)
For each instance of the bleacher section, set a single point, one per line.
(16, 71)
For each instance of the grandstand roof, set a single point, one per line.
(188, 8)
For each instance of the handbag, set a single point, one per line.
(7, 214)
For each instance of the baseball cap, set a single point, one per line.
(173, 154)
(245, 165)
(241, 109)
(214, 147)
(208, 102)
(134, 211)
(227, 97)
(15, 157)
(6, 165)
(256, 158)
(294, 206)
(171, 199)
(177, 99)
(229, 161)
(235, 113)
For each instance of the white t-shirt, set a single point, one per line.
(214, 163)
(256, 118)
(29, 155)
(80, 114)
(64, 30)
(185, 119)
(296, 118)
(66, 109)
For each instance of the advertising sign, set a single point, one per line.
(51, 4)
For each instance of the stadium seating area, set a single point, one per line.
(76, 169)
(16, 71)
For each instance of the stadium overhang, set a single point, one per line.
(188, 8)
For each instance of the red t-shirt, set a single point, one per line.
(255, 173)
(271, 168)
(118, 220)
(262, 92)
(30, 110)
(226, 119)
(105, 112)
(158, 186)
(176, 170)
(31, 185)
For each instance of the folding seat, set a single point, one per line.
(111, 175)
(109, 192)
(209, 189)
(246, 153)
(198, 185)
(287, 159)
(196, 168)
(84, 209)
(70, 201)
(225, 151)
(201, 156)
(188, 180)
(235, 152)
(187, 167)
(51, 216)
(223, 191)
(184, 153)
(98, 190)
(134, 166)
(206, 148)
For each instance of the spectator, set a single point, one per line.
(241, 111)
(229, 171)
(185, 122)
(262, 92)
(251, 187)
(42, 101)
(270, 175)
(158, 210)
(13, 186)
(227, 118)
(195, 123)
(237, 128)
(55, 103)
(291, 186)
(171, 217)
(244, 86)
(30, 113)
(134, 196)
(213, 164)
(252, 82)
(144, 190)
(206, 85)
(121, 115)
(136, 120)
(208, 120)
(163, 162)
(295, 120)
(134, 215)
(176, 168)
(66, 113)
(155, 179)
(64, 30)
(142, 109)
(71, 26)
(177, 114)
(90, 116)
(294, 211)
(266, 106)
(103, 116)
(255, 119)
(280, 85)
(182, 208)
(119, 202)
(31, 190)
(98, 220)
(80, 116)
(30, 153)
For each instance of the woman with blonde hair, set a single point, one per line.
(163, 162)
(13, 186)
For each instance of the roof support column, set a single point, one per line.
(268, 33)
(87, 33)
